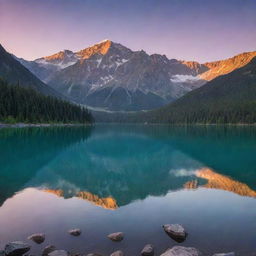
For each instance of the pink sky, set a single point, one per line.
(183, 29)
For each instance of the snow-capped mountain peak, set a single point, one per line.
(110, 75)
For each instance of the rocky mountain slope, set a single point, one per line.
(230, 98)
(15, 73)
(111, 76)
(222, 67)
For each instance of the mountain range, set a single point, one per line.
(110, 76)
(230, 98)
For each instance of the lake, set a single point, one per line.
(133, 179)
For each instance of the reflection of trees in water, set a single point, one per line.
(24, 151)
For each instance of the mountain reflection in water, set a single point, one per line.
(115, 165)
(107, 203)
(218, 181)
(214, 181)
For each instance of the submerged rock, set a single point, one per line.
(118, 236)
(224, 254)
(117, 253)
(48, 249)
(16, 248)
(75, 232)
(182, 251)
(175, 231)
(148, 250)
(37, 238)
(59, 253)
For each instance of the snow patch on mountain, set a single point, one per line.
(99, 62)
(60, 65)
(120, 62)
(102, 81)
(70, 88)
(184, 79)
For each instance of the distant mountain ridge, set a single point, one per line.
(230, 98)
(109, 75)
(222, 67)
(15, 73)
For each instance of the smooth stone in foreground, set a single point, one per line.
(37, 238)
(182, 251)
(175, 231)
(59, 253)
(117, 253)
(118, 236)
(224, 254)
(148, 250)
(75, 232)
(48, 249)
(16, 248)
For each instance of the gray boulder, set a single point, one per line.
(175, 231)
(58, 253)
(118, 236)
(117, 253)
(181, 251)
(48, 249)
(75, 232)
(16, 248)
(224, 254)
(37, 238)
(148, 250)
(93, 254)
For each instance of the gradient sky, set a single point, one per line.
(201, 30)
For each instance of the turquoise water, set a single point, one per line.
(133, 179)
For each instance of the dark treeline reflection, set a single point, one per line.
(23, 151)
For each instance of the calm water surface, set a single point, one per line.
(132, 179)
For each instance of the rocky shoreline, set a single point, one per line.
(174, 231)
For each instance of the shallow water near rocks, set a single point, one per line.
(132, 179)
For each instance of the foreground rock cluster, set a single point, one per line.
(175, 231)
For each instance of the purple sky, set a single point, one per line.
(184, 29)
